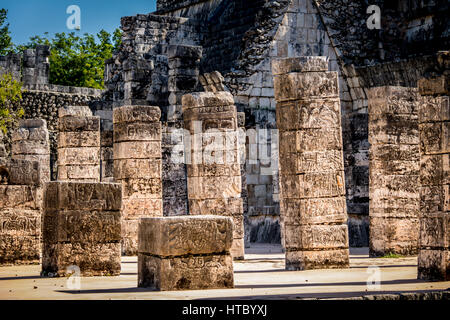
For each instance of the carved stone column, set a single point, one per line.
(311, 163)
(137, 165)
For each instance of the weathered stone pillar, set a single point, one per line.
(244, 194)
(213, 160)
(137, 165)
(20, 211)
(183, 64)
(311, 164)
(81, 228)
(31, 142)
(185, 253)
(78, 145)
(434, 126)
(393, 171)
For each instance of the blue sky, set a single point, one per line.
(34, 17)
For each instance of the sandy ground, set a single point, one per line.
(260, 276)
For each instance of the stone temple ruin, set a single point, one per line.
(230, 122)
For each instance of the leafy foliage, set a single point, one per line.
(78, 60)
(10, 93)
(6, 44)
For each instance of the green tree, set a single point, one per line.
(78, 60)
(6, 44)
(10, 94)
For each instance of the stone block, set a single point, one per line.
(217, 101)
(208, 187)
(299, 86)
(434, 265)
(309, 114)
(213, 170)
(218, 206)
(313, 185)
(137, 169)
(79, 156)
(434, 109)
(299, 64)
(19, 197)
(79, 173)
(83, 196)
(185, 273)
(312, 162)
(316, 237)
(20, 235)
(393, 235)
(134, 207)
(137, 150)
(21, 172)
(141, 188)
(75, 124)
(124, 132)
(434, 86)
(135, 114)
(189, 235)
(434, 231)
(325, 259)
(78, 139)
(74, 111)
(314, 211)
(93, 259)
(81, 226)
